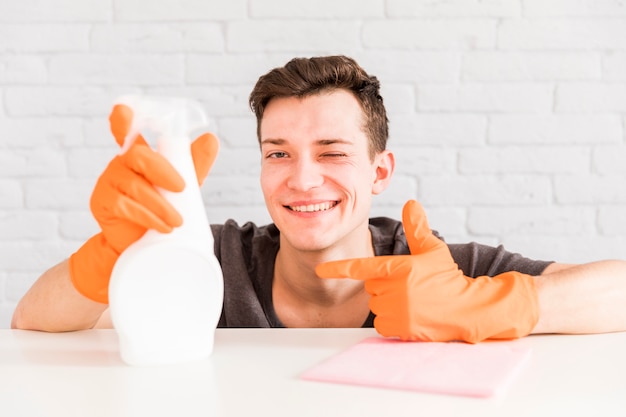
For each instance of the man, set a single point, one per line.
(322, 129)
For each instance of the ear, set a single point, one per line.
(384, 164)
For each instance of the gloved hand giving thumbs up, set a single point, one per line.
(125, 203)
(425, 296)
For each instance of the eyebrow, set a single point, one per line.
(320, 142)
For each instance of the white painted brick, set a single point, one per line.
(22, 69)
(77, 225)
(24, 224)
(35, 132)
(298, 36)
(496, 97)
(57, 11)
(3, 286)
(238, 162)
(402, 188)
(578, 34)
(609, 160)
(25, 256)
(550, 221)
(85, 163)
(516, 160)
(493, 66)
(615, 66)
(555, 129)
(590, 189)
(412, 66)
(231, 69)
(426, 33)
(327, 9)
(62, 101)
(44, 38)
(453, 8)
(385, 210)
(612, 221)
(446, 221)
(485, 190)
(17, 284)
(144, 38)
(438, 129)
(238, 132)
(57, 194)
(6, 312)
(591, 97)
(424, 160)
(459, 77)
(11, 194)
(399, 99)
(37, 162)
(97, 132)
(177, 10)
(573, 249)
(135, 69)
(236, 190)
(579, 8)
(217, 101)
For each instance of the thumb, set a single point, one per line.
(204, 151)
(418, 234)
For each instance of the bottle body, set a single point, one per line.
(166, 289)
(166, 299)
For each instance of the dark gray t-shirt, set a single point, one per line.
(247, 254)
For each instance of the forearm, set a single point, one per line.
(589, 298)
(52, 304)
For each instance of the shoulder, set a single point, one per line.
(388, 236)
(473, 258)
(232, 238)
(247, 232)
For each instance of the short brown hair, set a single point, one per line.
(302, 77)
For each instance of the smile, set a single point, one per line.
(310, 208)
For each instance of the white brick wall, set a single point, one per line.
(507, 117)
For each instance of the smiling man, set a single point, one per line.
(323, 262)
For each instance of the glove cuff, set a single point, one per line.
(522, 305)
(91, 266)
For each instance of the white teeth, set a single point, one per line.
(313, 207)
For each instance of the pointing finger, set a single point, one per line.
(362, 268)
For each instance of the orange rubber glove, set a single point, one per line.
(125, 203)
(425, 296)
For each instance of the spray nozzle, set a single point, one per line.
(165, 117)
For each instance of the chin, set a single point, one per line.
(307, 242)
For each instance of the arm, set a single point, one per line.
(53, 304)
(588, 298)
(425, 296)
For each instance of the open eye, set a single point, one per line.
(276, 155)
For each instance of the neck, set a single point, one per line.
(302, 299)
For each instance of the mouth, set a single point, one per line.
(312, 208)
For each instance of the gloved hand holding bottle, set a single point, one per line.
(125, 203)
(425, 296)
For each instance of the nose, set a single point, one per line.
(305, 174)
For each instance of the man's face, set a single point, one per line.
(316, 173)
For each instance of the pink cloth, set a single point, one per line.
(479, 370)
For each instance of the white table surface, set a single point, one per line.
(255, 372)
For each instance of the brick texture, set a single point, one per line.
(507, 117)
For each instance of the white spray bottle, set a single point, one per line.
(166, 289)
